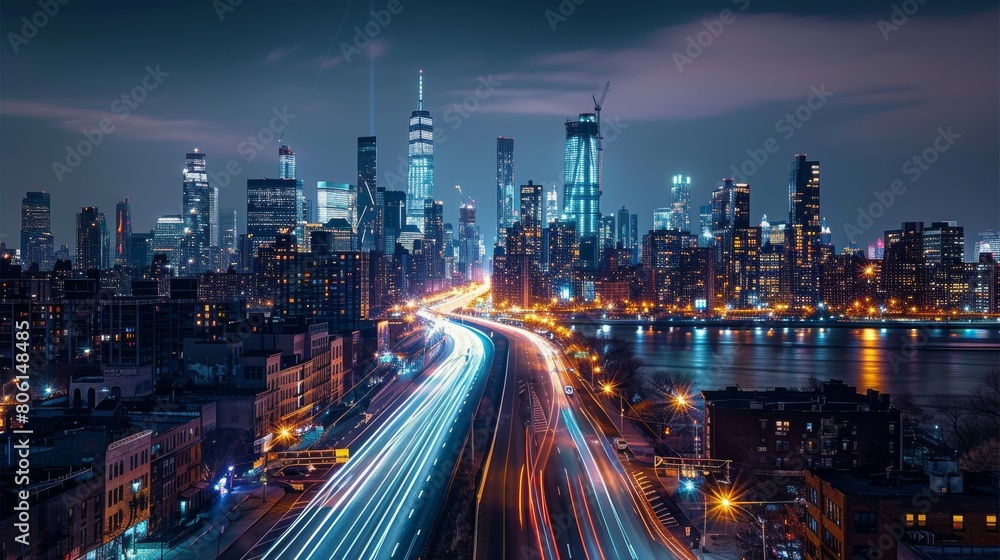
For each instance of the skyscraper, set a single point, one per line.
(944, 257)
(420, 173)
(36, 229)
(393, 218)
(167, 237)
(228, 236)
(141, 250)
(273, 205)
(365, 221)
(628, 232)
(469, 262)
(804, 223)
(680, 203)
(286, 162)
(661, 219)
(706, 238)
(551, 205)
(505, 185)
(531, 220)
(92, 242)
(335, 200)
(989, 242)
(123, 233)
(582, 189)
(201, 213)
(434, 232)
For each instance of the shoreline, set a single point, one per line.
(772, 323)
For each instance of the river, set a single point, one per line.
(924, 361)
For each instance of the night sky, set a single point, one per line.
(894, 88)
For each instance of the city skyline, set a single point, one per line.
(570, 279)
(534, 119)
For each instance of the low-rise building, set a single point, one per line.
(869, 517)
(786, 429)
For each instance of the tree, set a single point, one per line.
(913, 413)
(618, 362)
(983, 457)
(973, 420)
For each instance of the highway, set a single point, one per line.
(555, 487)
(382, 503)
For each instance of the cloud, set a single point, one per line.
(763, 58)
(134, 126)
(278, 54)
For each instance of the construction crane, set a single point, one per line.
(600, 134)
(472, 201)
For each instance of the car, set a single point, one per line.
(569, 390)
(621, 444)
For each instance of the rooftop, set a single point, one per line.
(831, 395)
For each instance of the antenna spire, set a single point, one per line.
(420, 99)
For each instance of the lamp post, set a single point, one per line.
(609, 390)
(282, 433)
(727, 504)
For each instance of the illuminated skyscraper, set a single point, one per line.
(944, 258)
(228, 236)
(366, 221)
(335, 200)
(434, 232)
(989, 242)
(505, 185)
(36, 230)
(273, 205)
(93, 245)
(531, 221)
(286, 163)
(551, 205)
(123, 233)
(804, 223)
(420, 174)
(167, 237)
(661, 219)
(201, 214)
(706, 238)
(582, 190)
(680, 204)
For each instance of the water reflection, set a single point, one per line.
(922, 361)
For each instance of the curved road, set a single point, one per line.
(381, 504)
(555, 487)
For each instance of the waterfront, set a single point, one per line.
(924, 361)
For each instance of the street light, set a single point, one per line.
(729, 506)
(609, 390)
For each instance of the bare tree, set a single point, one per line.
(973, 420)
